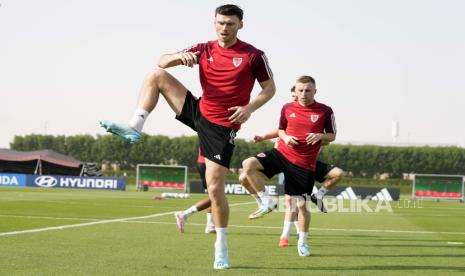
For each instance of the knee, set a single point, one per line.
(214, 190)
(337, 173)
(243, 178)
(248, 165)
(301, 204)
(155, 75)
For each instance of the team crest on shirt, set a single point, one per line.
(314, 118)
(237, 61)
(261, 155)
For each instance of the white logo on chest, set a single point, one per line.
(237, 61)
(314, 118)
(292, 115)
(210, 59)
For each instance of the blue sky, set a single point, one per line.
(64, 65)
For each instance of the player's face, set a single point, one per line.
(305, 93)
(227, 28)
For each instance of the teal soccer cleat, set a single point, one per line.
(303, 249)
(126, 132)
(221, 259)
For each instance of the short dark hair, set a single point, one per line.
(306, 79)
(230, 10)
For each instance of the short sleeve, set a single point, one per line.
(200, 47)
(330, 123)
(283, 119)
(260, 67)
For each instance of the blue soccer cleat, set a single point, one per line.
(126, 132)
(221, 259)
(303, 249)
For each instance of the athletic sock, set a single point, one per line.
(257, 199)
(321, 192)
(286, 229)
(221, 239)
(296, 224)
(264, 197)
(189, 212)
(138, 119)
(303, 237)
(210, 219)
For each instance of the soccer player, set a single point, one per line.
(304, 125)
(328, 174)
(228, 68)
(181, 217)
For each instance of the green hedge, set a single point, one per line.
(361, 161)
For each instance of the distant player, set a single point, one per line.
(304, 125)
(181, 217)
(327, 174)
(228, 69)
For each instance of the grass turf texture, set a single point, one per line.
(421, 241)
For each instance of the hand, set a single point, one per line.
(241, 114)
(313, 138)
(188, 58)
(257, 139)
(290, 140)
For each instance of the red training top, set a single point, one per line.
(227, 77)
(299, 121)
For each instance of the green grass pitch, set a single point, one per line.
(84, 232)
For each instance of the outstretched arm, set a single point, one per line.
(268, 136)
(185, 58)
(242, 113)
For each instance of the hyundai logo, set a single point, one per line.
(46, 181)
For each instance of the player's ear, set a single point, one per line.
(241, 24)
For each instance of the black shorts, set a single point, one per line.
(299, 182)
(216, 142)
(201, 168)
(321, 170)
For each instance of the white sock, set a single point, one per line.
(138, 119)
(303, 237)
(257, 199)
(210, 219)
(264, 197)
(221, 239)
(296, 224)
(322, 191)
(286, 229)
(187, 213)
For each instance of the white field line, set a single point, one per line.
(312, 228)
(97, 222)
(138, 220)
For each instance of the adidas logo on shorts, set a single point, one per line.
(217, 156)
